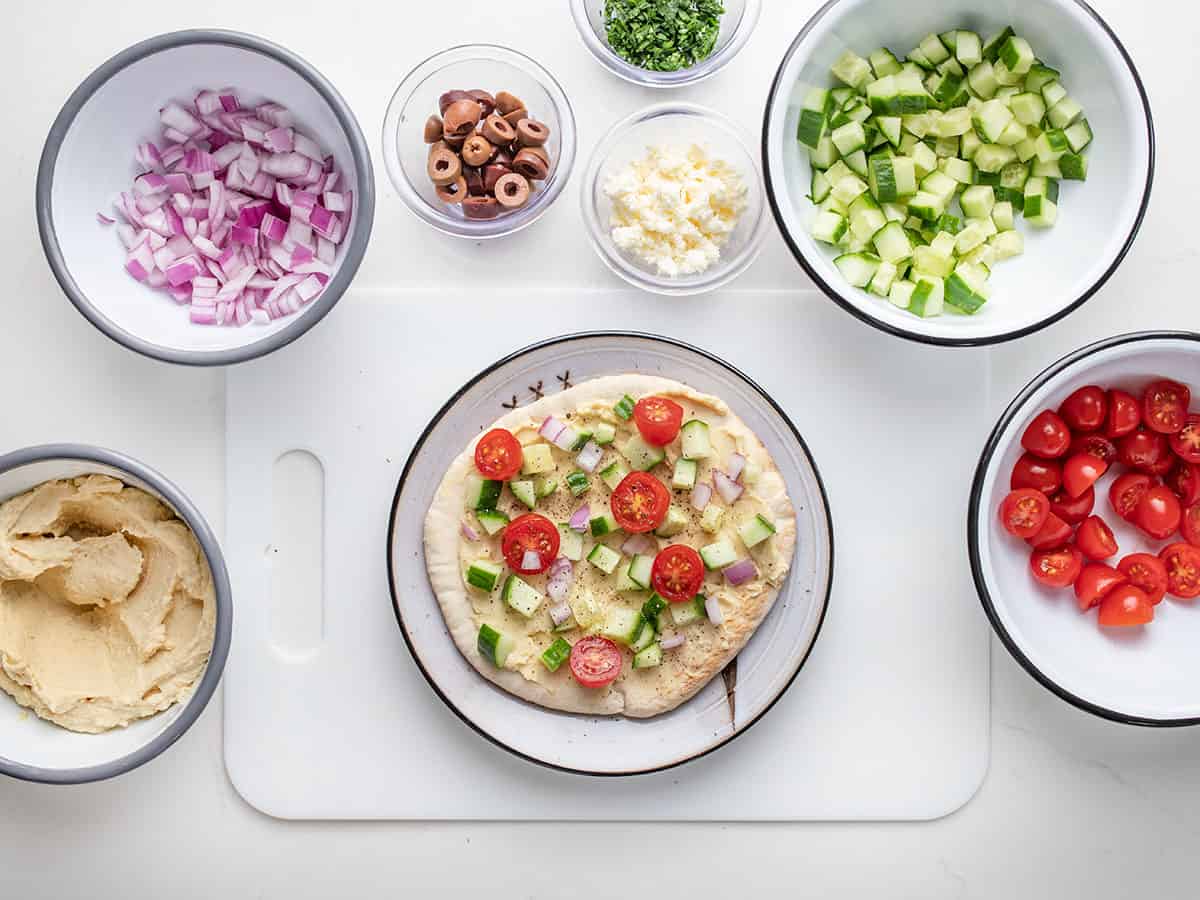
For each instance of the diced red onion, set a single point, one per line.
(560, 612)
(467, 531)
(672, 641)
(640, 544)
(701, 495)
(551, 429)
(589, 457)
(280, 140)
(735, 466)
(729, 489)
(531, 561)
(581, 518)
(713, 608)
(561, 576)
(740, 572)
(567, 439)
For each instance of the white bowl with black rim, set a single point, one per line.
(610, 746)
(1148, 675)
(35, 750)
(88, 160)
(1062, 267)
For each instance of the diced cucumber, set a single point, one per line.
(883, 62)
(1053, 93)
(556, 654)
(961, 296)
(925, 206)
(639, 571)
(642, 456)
(820, 187)
(959, 169)
(1065, 113)
(521, 596)
(683, 614)
(491, 520)
(929, 262)
(1079, 135)
(676, 522)
(1051, 145)
(624, 583)
(953, 123)
(968, 47)
(718, 555)
(1073, 167)
(484, 574)
(825, 154)
(849, 137)
(990, 120)
(710, 519)
(1039, 76)
(924, 160)
(993, 157)
(1014, 134)
(754, 531)
(1008, 244)
(494, 646)
(852, 69)
(1004, 216)
(892, 178)
(694, 439)
(1017, 55)
(882, 282)
(624, 408)
(1045, 214)
(946, 148)
(982, 80)
(857, 268)
(570, 543)
(536, 459)
(892, 243)
(524, 491)
(928, 298)
(603, 524)
(578, 482)
(482, 493)
(978, 201)
(581, 441)
(684, 476)
(991, 48)
(614, 473)
(901, 294)
(817, 103)
(846, 190)
(652, 609)
(856, 162)
(604, 558)
(648, 657)
(890, 126)
(1028, 108)
(1047, 169)
(622, 625)
(604, 434)
(645, 637)
(970, 144)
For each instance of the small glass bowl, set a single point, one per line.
(736, 25)
(674, 124)
(469, 67)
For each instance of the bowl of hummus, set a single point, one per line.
(115, 614)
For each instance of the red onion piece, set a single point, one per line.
(531, 562)
(467, 531)
(701, 495)
(735, 466)
(670, 642)
(729, 489)
(740, 572)
(713, 608)
(560, 612)
(561, 576)
(551, 429)
(581, 518)
(639, 544)
(589, 457)
(567, 438)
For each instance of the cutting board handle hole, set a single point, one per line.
(296, 555)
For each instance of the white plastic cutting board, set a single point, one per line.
(326, 715)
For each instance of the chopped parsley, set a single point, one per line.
(663, 35)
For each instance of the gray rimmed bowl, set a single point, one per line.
(34, 750)
(88, 160)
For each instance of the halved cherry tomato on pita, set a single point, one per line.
(1073, 510)
(1158, 513)
(1165, 406)
(1056, 568)
(1126, 492)
(498, 455)
(1124, 415)
(1095, 580)
(1146, 572)
(1096, 539)
(1183, 570)
(1190, 526)
(1095, 444)
(530, 533)
(1043, 475)
(1184, 480)
(1047, 436)
(1126, 607)
(677, 573)
(1082, 471)
(658, 419)
(1186, 443)
(640, 502)
(595, 661)
(1146, 451)
(1024, 512)
(1086, 409)
(1054, 534)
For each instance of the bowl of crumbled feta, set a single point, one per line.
(674, 200)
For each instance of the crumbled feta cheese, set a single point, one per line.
(675, 208)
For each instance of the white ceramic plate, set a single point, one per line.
(1144, 676)
(1062, 267)
(611, 746)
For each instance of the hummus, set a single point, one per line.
(596, 594)
(107, 606)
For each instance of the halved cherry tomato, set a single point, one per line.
(1096, 444)
(530, 532)
(1096, 539)
(658, 419)
(1165, 406)
(1125, 607)
(1124, 415)
(1146, 451)
(1082, 471)
(1146, 572)
(1073, 510)
(1024, 512)
(640, 502)
(1095, 580)
(1054, 534)
(1186, 443)
(595, 661)
(1183, 570)
(1126, 492)
(1056, 568)
(1047, 436)
(1184, 480)
(498, 455)
(1043, 475)
(1190, 527)
(677, 573)
(1158, 513)
(1086, 409)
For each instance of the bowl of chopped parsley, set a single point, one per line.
(665, 43)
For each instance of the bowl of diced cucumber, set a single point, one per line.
(954, 172)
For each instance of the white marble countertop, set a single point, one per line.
(1072, 805)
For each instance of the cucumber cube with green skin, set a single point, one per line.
(645, 637)
(856, 162)
(934, 50)
(521, 597)
(494, 646)
(944, 87)
(622, 625)
(881, 283)
(624, 408)
(1073, 167)
(848, 189)
(970, 238)
(578, 482)
(978, 201)
(946, 148)
(926, 206)
(928, 261)
(924, 160)
(838, 171)
(684, 476)
(829, 227)
(950, 39)
(604, 434)
(928, 298)
(939, 184)
(493, 522)
(1009, 81)
(1079, 135)
(544, 487)
(482, 493)
(556, 654)
(648, 657)
(604, 558)
(849, 137)
(1004, 216)
(970, 144)
(624, 583)
(892, 243)
(949, 224)
(1026, 150)
(918, 58)
(824, 154)
(710, 519)
(892, 178)
(1017, 55)
(901, 293)
(1028, 108)
(484, 575)
(1044, 212)
(1065, 113)
(817, 104)
(614, 473)
(1053, 93)
(919, 125)
(639, 570)
(754, 531)
(718, 555)
(942, 244)
(991, 47)
(1039, 76)
(820, 187)
(1008, 244)
(959, 169)
(642, 456)
(857, 268)
(968, 48)
(1015, 196)
(866, 222)
(652, 609)
(524, 491)
(683, 614)
(962, 296)
(852, 69)
(982, 80)
(883, 62)
(1047, 169)
(993, 157)
(990, 120)
(1014, 134)
(890, 127)
(603, 524)
(675, 523)
(1051, 145)
(570, 543)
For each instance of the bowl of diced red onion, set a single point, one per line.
(205, 197)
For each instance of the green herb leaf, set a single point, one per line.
(663, 35)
